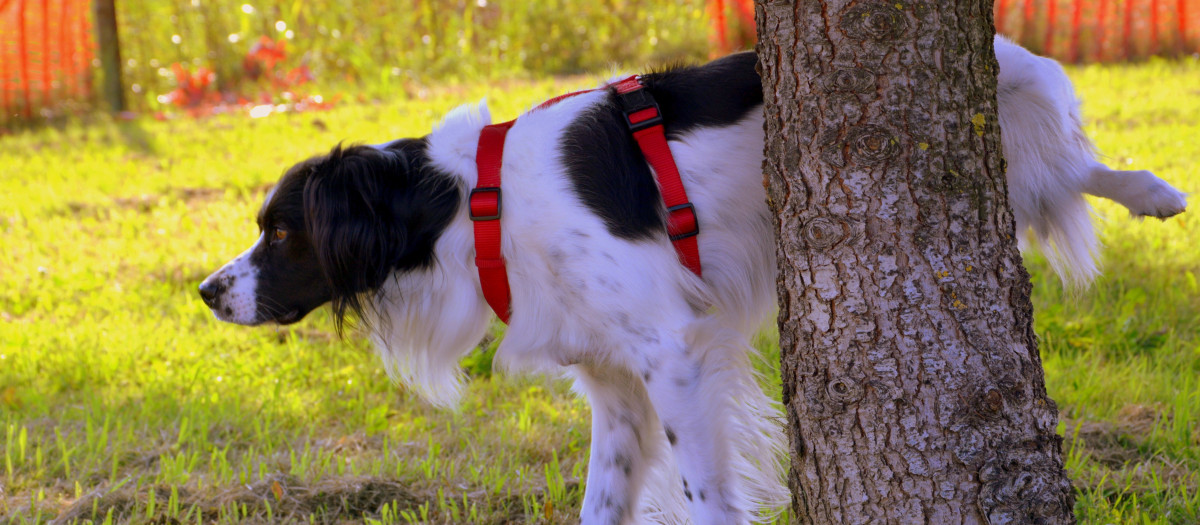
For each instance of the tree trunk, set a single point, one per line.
(913, 385)
(107, 41)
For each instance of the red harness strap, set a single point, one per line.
(645, 123)
(485, 213)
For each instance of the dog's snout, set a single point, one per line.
(210, 291)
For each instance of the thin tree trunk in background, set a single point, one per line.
(23, 52)
(912, 380)
(110, 53)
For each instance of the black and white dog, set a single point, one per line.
(663, 356)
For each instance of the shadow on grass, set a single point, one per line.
(284, 499)
(136, 136)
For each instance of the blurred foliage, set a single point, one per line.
(378, 48)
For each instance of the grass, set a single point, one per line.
(123, 401)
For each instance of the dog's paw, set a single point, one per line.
(1155, 198)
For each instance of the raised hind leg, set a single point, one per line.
(1140, 191)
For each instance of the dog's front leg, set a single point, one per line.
(689, 395)
(622, 447)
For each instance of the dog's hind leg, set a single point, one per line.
(623, 443)
(1140, 191)
(1048, 159)
(1051, 163)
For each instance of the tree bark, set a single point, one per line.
(912, 380)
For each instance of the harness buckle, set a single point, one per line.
(640, 108)
(483, 209)
(680, 226)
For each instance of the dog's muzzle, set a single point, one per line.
(231, 292)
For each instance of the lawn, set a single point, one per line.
(123, 400)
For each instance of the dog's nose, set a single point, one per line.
(210, 291)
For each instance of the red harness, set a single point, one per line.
(646, 123)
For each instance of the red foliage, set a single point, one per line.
(263, 71)
(263, 56)
(192, 88)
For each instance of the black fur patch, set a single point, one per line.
(609, 174)
(719, 93)
(289, 283)
(606, 167)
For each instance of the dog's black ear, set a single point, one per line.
(349, 210)
(371, 212)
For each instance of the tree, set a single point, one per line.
(912, 380)
(108, 42)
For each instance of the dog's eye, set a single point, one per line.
(278, 235)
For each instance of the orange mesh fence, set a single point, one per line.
(1102, 30)
(1069, 30)
(46, 51)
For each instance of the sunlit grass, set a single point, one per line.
(121, 397)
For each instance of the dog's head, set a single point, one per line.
(334, 229)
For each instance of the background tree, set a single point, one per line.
(913, 384)
(109, 45)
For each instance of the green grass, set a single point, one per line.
(122, 400)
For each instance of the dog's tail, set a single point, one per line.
(1049, 160)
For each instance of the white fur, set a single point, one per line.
(239, 277)
(1051, 163)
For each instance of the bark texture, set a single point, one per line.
(912, 380)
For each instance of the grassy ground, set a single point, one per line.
(122, 400)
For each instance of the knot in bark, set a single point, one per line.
(854, 80)
(824, 232)
(870, 145)
(988, 404)
(879, 22)
(844, 390)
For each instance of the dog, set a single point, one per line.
(680, 428)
